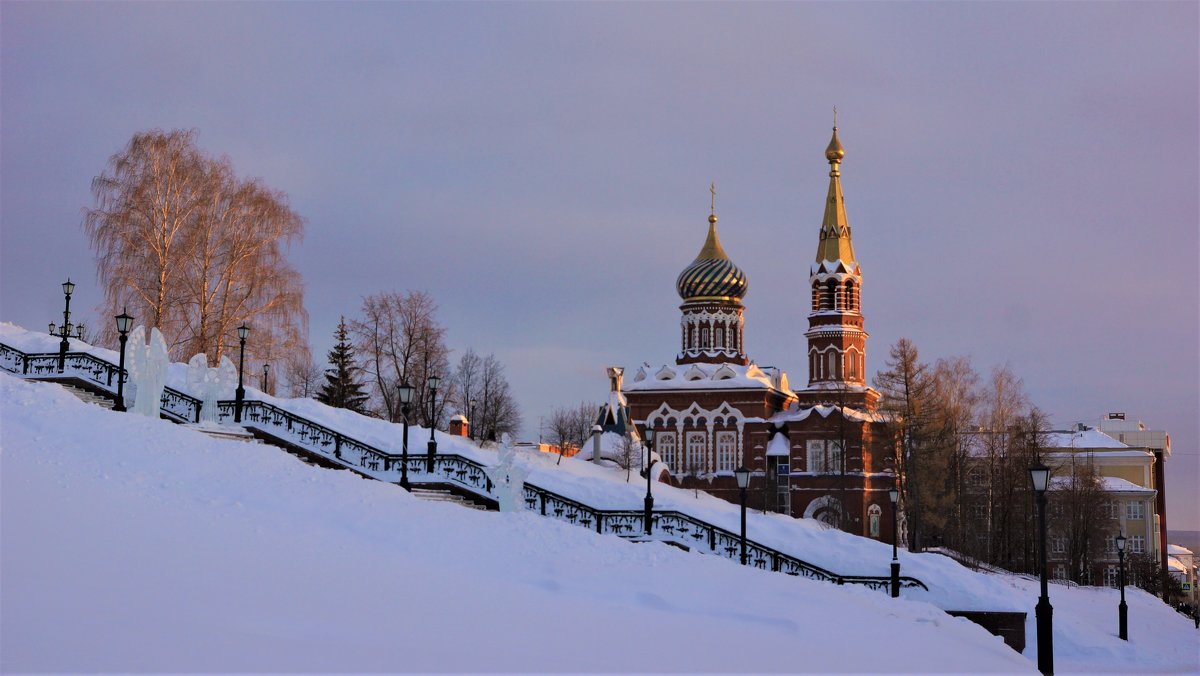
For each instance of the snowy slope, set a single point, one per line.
(135, 544)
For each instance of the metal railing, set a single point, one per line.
(288, 428)
(94, 372)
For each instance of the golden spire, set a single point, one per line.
(835, 241)
(712, 249)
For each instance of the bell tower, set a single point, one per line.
(836, 340)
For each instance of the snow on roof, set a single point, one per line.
(803, 412)
(1176, 550)
(708, 377)
(1108, 484)
(1088, 437)
(1175, 564)
(778, 445)
(458, 418)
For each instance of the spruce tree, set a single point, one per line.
(342, 388)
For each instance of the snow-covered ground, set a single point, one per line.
(135, 544)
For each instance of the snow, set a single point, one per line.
(1087, 438)
(1109, 484)
(1178, 550)
(708, 377)
(131, 543)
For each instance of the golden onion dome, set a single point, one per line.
(712, 275)
(835, 152)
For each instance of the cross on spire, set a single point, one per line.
(712, 188)
(835, 117)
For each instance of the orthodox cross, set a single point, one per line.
(712, 188)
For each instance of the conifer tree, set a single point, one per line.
(342, 387)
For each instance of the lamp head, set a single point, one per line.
(406, 392)
(434, 381)
(79, 331)
(894, 496)
(243, 331)
(124, 322)
(68, 287)
(1121, 543)
(53, 328)
(1039, 474)
(743, 477)
(649, 435)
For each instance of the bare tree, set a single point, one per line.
(399, 339)
(628, 455)
(187, 247)
(571, 426)
(497, 408)
(302, 377)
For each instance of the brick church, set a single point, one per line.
(821, 451)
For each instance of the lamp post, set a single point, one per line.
(266, 371)
(433, 384)
(124, 323)
(743, 480)
(649, 498)
(471, 419)
(68, 288)
(1039, 474)
(894, 496)
(406, 393)
(1122, 610)
(242, 332)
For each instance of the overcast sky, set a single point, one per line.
(1021, 178)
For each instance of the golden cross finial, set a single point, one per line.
(835, 117)
(712, 188)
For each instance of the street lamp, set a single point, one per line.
(743, 480)
(65, 331)
(242, 332)
(1122, 610)
(266, 370)
(894, 496)
(471, 419)
(406, 393)
(433, 383)
(649, 498)
(124, 323)
(1039, 474)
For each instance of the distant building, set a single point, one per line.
(1157, 442)
(821, 451)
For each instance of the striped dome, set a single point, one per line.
(712, 274)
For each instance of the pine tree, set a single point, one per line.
(342, 388)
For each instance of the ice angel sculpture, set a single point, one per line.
(508, 478)
(210, 385)
(147, 362)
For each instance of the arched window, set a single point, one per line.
(827, 298)
(852, 363)
(851, 296)
(695, 461)
(704, 344)
(726, 450)
(719, 337)
(874, 515)
(816, 296)
(832, 364)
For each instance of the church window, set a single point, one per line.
(852, 360)
(834, 456)
(666, 449)
(851, 296)
(816, 296)
(704, 344)
(726, 450)
(830, 290)
(719, 335)
(833, 365)
(691, 337)
(695, 454)
(824, 457)
(874, 514)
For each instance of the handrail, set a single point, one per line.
(96, 372)
(287, 427)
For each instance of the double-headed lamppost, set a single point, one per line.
(649, 501)
(124, 323)
(406, 393)
(65, 330)
(1039, 474)
(743, 481)
(242, 331)
(894, 496)
(433, 384)
(471, 419)
(1122, 610)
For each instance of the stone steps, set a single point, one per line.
(89, 397)
(439, 495)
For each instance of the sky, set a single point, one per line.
(1021, 178)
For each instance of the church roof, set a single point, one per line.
(701, 376)
(712, 275)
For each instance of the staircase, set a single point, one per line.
(90, 397)
(443, 495)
